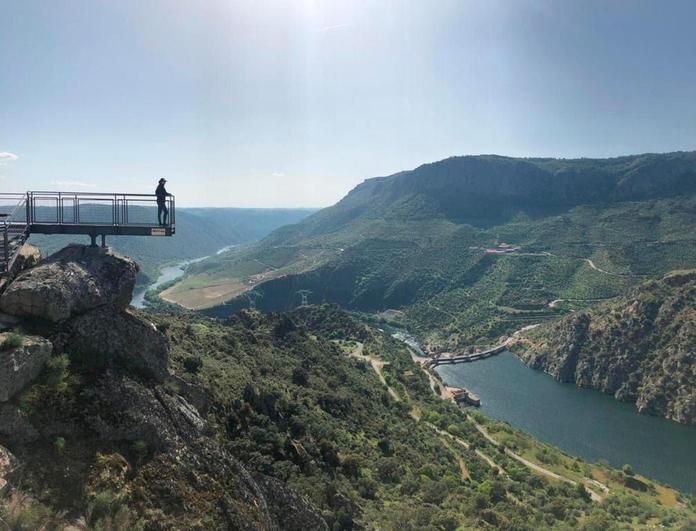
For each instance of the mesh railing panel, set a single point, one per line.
(98, 209)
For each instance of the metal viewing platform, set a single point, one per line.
(84, 213)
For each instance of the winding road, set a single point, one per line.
(439, 389)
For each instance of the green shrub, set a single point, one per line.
(193, 364)
(139, 448)
(12, 340)
(59, 445)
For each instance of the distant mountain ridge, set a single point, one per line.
(417, 241)
(466, 188)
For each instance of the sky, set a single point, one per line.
(291, 103)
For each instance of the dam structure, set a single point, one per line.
(447, 359)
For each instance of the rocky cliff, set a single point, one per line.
(94, 424)
(641, 348)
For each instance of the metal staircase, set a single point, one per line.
(14, 229)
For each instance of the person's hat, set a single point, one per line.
(163, 180)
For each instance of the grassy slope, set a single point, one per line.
(455, 295)
(294, 404)
(289, 400)
(415, 241)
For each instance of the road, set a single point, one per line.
(439, 388)
(437, 385)
(540, 469)
(593, 266)
(377, 365)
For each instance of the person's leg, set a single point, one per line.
(160, 208)
(166, 214)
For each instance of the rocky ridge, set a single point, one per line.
(119, 420)
(639, 348)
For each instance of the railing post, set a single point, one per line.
(6, 246)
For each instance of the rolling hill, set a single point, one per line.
(428, 243)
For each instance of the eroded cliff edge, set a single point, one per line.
(93, 422)
(641, 348)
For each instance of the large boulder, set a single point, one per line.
(29, 256)
(22, 363)
(71, 282)
(109, 334)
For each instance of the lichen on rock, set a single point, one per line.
(71, 282)
(22, 364)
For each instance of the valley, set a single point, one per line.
(200, 232)
(584, 423)
(465, 249)
(400, 260)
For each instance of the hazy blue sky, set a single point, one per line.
(292, 103)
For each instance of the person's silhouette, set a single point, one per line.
(162, 210)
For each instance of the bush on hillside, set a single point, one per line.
(12, 340)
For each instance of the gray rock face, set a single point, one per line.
(639, 348)
(71, 282)
(122, 409)
(21, 365)
(28, 256)
(15, 427)
(8, 463)
(108, 333)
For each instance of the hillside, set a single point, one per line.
(639, 347)
(424, 242)
(307, 420)
(199, 232)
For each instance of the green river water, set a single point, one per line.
(581, 422)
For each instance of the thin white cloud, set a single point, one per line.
(332, 27)
(278, 174)
(6, 156)
(74, 184)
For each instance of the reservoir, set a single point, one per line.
(581, 422)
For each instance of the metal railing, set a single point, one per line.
(93, 209)
(87, 213)
(14, 229)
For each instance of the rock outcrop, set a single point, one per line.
(28, 256)
(640, 348)
(157, 454)
(186, 479)
(71, 282)
(109, 334)
(81, 295)
(15, 426)
(8, 463)
(21, 364)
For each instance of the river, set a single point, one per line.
(167, 274)
(581, 422)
